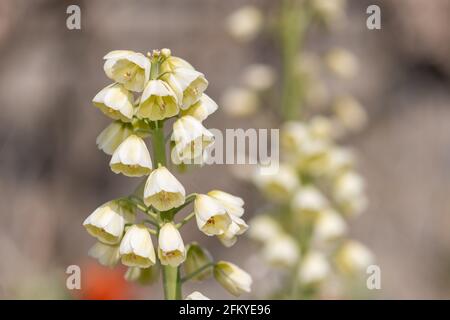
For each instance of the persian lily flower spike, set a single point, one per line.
(148, 92)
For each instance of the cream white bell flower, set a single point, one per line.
(339, 160)
(107, 255)
(349, 113)
(212, 218)
(263, 228)
(107, 222)
(353, 257)
(172, 63)
(163, 191)
(132, 69)
(202, 108)
(131, 158)
(188, 84)
(237, 227)
(321, 128)
(293, 135)
(233, 204)
(240, 102)
(348, 192)
(112, 136)
(136, 248)
(258, 77)
(116, 102)
(278, 186)
(245, 23)
(196, 296)
(314, 268)
(158, 101)
(309, 200)
(235, 280)
(171, 249)
(329, 226)
(342, 62)
(281, 251)
(191, 138)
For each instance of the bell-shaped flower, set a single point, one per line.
(116, 102)
(163, 191)
(264, 228)
(329, 226)
(188, 84)
(314, 268)
(348, 192)
(235, 280)
(158, 101)
(212, 218)
(172, 63)
(233, 204)
(131, 158)
(240, 102)
(107, 222)
(308, 201)
(112, 136)
(171, 249)
(107, 255)
(353, 257)
(237, 227)
(281, 251)
(202, 108)
(136, 248)
(191, 138)
(196, 296)
(278, 186)
(245, 23)
(132, 69)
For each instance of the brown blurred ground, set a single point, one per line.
(52, 175)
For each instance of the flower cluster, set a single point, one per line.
(148, 91)
(317, 187)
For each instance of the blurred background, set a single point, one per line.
(52, 175)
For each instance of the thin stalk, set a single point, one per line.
(196, 272)
(171, 275)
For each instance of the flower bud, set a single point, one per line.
(143, 276)
(196, 258)
(115, 102)
(112, 136)
(131, 158)
(232, 278)
(349, 113)
(129, 68)
(107, 222)
(171, 247)
(196, 296)
(107, 255)
(136, 248)
(163, 191)
(158, 101)
(212, 218)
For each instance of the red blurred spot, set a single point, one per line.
(102, 283)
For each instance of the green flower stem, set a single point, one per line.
(171, 275)
(196, 272)
(185, 220)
